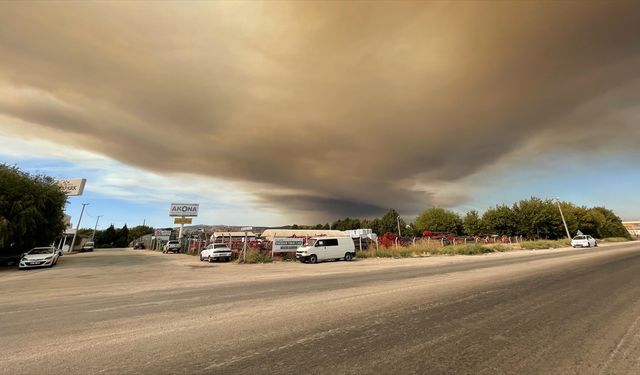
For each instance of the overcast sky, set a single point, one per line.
(280, 112)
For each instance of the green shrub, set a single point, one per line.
(500, 248)
(424, 250)
(287, 257)
(472, 249)
(256, 256)
(544, 244)
(384, 253)
(615, 239)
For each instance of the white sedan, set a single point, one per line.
(39, 257)
(216, 251)
(584, 241)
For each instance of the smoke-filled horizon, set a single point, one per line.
(327, 109)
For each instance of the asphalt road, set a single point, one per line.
(136, 312)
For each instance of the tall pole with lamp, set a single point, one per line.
(563, 220)
(93, 236)
(399, 233)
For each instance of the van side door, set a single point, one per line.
(332, 248)
(320, 249)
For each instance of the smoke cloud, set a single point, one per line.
(325, 109)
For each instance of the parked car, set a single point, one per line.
(138, 245)
(9, 259)
(88, 246)
(39, 257)
(173, 246)
(323, 248)
(216, 251)
(584, 241)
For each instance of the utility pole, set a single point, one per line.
(75, 234)
(563, 220)
(94, 228)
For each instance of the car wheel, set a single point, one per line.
(595, 244)
(210, 260)
(348, 257)
(313, 259)
(201, 258)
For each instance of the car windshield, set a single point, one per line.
(312, 242)
(41, 250)
(578, 238)
(219, 246)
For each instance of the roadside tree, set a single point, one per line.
(31, 210)
(499, 220)
(472, 224)
(438, 219)
(609, 225)
(389, 223)
(139, 231)
(535, 218)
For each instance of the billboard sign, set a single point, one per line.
(286, 244)
(72, 187)
(184, 209)
(162, 234)
(182, 220)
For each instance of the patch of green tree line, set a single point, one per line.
(117, 237)
(532, 218)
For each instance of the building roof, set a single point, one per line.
(270, 233)
(233, 234)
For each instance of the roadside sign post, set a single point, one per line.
(72, 187)
(244, 245)
(182, 221)
(184, 213)
(181, 229)
(78, 227)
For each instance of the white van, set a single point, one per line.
(323, 248)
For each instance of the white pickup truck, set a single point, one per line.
(173, 246)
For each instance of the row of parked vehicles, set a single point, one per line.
(319, 249)
(315, 250)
